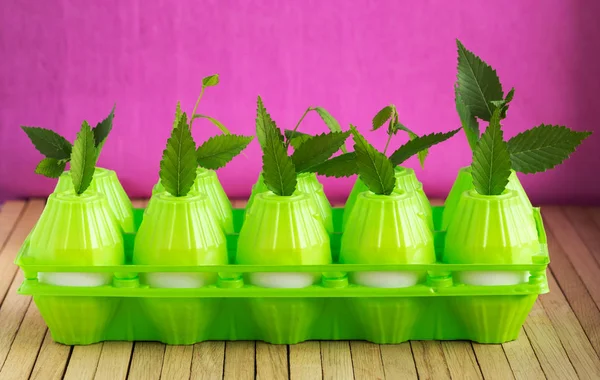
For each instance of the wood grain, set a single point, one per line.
(305, 361)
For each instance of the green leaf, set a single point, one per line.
(298, 139)
(478, 83)
(83, 159)
(264, 123)
(419, 144)
(279, 173)
(411, 135)
(317, 149)
(178, 164)
(178, 114)
(330, 122)
(216, 122)
(51, 167)
(467, 120)
(210, 81)
(343, 165)
(102, 130)
(382, 116)
(49, 143)
(217, 151)
(491, 161)
(374, 168)
(543, 147)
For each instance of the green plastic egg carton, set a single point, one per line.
(437, 308)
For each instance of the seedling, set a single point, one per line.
(479, 95)
(377, 171)
(311, 156)
(82, 154)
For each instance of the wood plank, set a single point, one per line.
(580, 256)
(576, 344)
(177, 363)
(336, 360)
(146, 361)
(12, 312)
(239, 360)
(492, 361)
(9, 215)
(52, 360)
(429, 359)
(366, 360)
(305, 361)
(114, 361)
(461, 360)
(29, 217)
(586, 228)
(238, 203)
(546, 345)
(271, 361)
(83, 362)
(26, 346)
(398, 361)
(207, 361)
(522, 359)
(575, 292)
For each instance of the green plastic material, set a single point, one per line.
(464, 182)
(306, 183)
(437, 307)
(106, 182)
(406, 180)
(207, 182)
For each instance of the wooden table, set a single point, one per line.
(560, 340)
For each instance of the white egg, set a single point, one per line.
(179, 280)
(75, 278)
(284, 280)
(491, 278)
(385, 279)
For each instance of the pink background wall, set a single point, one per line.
(63, 61)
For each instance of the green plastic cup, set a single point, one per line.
(464, 182)
(180, 231)
(106, 182)
(491, 230)
(406, 180)
(387, 229)
(76, 230)
(309, 185)
(207, 182)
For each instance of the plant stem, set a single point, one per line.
(390, 129)
(297, 125)
(196, 107)
(388, 141)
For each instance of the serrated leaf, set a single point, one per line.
(265, 123)
(543, 147)
(422, 155)
(102, 130)
(291, 134)
(478, 83)
(317, 149)
(279, 173)
(178, 164)
(299, 140)
(491, 161)
(178, 114)
(419, 144)
(83, 159)
(343, 165)
(330, 122)
(216, 122)
(51, 167)
(467, 120)
(49, 143)
(210, 81)
(382, 116)
(217, 151)
(374, 168)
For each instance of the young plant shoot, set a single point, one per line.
(58, 150)
(479, 95)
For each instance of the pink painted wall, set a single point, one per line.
(65, 61)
